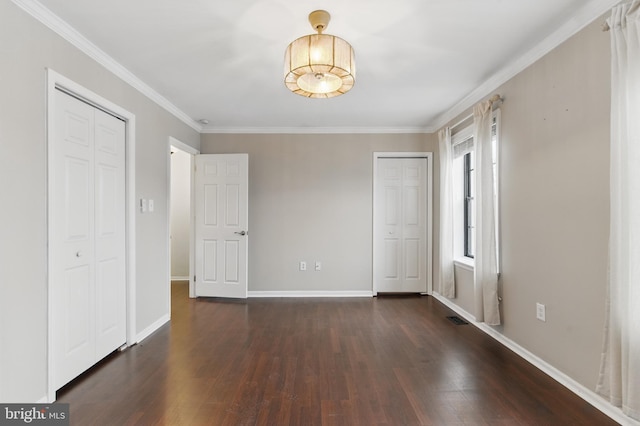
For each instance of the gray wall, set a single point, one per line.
(310, 198)
(27, 48)
(555, 205)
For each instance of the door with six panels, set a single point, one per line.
(221, 225)
(400, 226)
(87, 246)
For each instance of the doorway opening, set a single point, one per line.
(181, 208)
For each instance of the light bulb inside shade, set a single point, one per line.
(316, 82)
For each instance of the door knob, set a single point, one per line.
(241, 233)
(78, 254)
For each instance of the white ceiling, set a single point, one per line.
(418, 61)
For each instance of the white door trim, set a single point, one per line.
(192, 225)
(429, 157)
(55, 80)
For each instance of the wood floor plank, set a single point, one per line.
(369, 361)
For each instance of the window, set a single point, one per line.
(464, 188)
(463, 165)
(469, 217)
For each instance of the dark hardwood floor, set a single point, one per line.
(371, 361)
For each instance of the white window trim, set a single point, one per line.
(465, 263)
(462, 135)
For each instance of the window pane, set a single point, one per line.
(472, 228)
(469, 217)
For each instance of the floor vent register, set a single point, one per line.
(457, 320)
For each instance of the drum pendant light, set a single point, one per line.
(319, 65)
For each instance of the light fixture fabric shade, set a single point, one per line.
(319, 66)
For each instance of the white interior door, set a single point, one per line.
(400, 228)
(110, 254)
(87, 246)
(221, 231)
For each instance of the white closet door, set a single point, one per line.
(400, 264)
(109, 233)
(88, 232)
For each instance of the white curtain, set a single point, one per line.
(447, 281)
(619, 379)
(486, 266)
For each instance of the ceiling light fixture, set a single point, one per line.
(319, 65)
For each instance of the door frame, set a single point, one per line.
(429, 212)
(57, 81)
(192, 241)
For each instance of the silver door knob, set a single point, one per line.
(240, 233)
(78, 254)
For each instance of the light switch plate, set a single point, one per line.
(541, 313)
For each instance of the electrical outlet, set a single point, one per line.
(318, 265)
(541, 313)
(303, 266)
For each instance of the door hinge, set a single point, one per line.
(194, 278)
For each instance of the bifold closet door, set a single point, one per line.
(87, 247)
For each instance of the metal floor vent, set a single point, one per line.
(457, 320)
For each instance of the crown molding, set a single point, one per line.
(70, 34)
(316, 130)
(581, 17)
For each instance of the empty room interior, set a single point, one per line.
(212, 216)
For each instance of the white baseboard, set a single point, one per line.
(153, 327)
(180, 278)
(583, 392)
(310, 294)
(44, 400)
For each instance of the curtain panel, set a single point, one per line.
(619, 379)
(486, 266)
(447, 280)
